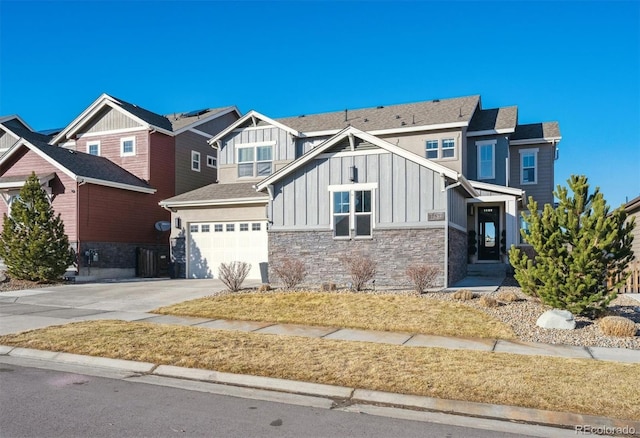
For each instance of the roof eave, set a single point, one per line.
(214, 202)
(526, 141)
(249, 115)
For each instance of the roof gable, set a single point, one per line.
(493, 121)
(181, 122)
(253, 118)
(536, 132)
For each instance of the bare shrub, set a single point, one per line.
(507, 296)
(617, 326)
(264, 288)
(487, 301)
(233, 274)
(361, 269)
(291, 271)
(422, 276)
(463, 295)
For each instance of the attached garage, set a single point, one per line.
(219, 223)
(212, 243)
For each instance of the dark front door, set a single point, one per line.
(488, 234)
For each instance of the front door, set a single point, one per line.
(488, 234)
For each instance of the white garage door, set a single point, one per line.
(212, 243)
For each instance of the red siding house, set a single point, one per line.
(106, 172)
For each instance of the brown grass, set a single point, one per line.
(350, 310)
(570, 385)
(617, 326)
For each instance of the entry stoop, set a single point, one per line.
(482, 277)
(487, 270)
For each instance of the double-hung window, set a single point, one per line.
(440, 149)
(127, 146)
(486, 159)
(93, 148)
(448, 148)
(255, 160)
(352, 210)
(528, 166)
(195, 161)
(432, 149)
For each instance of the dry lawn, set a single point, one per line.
(570, 385)
(399, 313)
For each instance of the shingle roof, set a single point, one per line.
(430, 112)
(537, 130)
(215, 192)
(179, 120)
(494, 119)
(89, 166)
(146, 115)
(22, 132)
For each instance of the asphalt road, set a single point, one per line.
(46, 403)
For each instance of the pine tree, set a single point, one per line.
(34, 245)
(580, 246)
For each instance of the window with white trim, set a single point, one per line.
(432, 149)
(195, 161)
(448, 148)
(212, 161)
(193, 228)
(486, 159)
(528, 166)
(255, 161)
(256, 226)
(127, 146)
(217, 228)
(93, 148)
(440, 149)
(352, 211)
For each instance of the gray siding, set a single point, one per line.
(406, 191)
(501, 152)
(6, 141)
(304, 145)
(187, 179)
(218, 124)
(542, 191)
(635, 245)
(283, 150)
(109, 119)
(457, 208)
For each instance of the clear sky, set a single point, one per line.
(576, 62)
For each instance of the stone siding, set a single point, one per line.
(457, 268)
(113, 255)
(392, 250)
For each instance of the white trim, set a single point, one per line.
(115, 185)
(456, 226)
(17, 117)
(528, 141)
(479, 146)
(491, 132)
(19, 184)
(214, 202)
(209, 118)
(115, 131)
(71, 144)
(215, 162)
(488, 199)
(392, 130)
(496, 188)
(255, 161)
(252, 128)
(202, 133)
(38, 152)
(352, 154)
(356, 186)
(252, 115)
(128, 154)
(352, 188)
(93, 143)
(255, 144)
(196, 157)
(534, 152)
(9, 131)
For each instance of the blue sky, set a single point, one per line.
(574, 62)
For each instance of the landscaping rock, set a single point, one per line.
(3, 277)
(557, 319)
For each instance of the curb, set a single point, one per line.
(340, 394)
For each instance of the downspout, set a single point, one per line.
(79, 183)
(446, 230)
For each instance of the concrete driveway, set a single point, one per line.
(126, 300)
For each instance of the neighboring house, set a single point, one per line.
(401, 184)
(108, 169)
(633, 210)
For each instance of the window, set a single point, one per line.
(230, 227)
(217, 228)
(255, 226)
(352, 211)
(205, 228)
(432, 149)
(212, 161)
(448, 148)
(255, 160)
(195, 161)
(524, 227)
(93, 148)
(486, 159)
(193, 228)
(528, 166)
(244, 227)
(127, 146)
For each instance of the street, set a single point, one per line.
(48, 403)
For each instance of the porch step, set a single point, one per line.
(486, 270)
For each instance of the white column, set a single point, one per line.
(512, 222)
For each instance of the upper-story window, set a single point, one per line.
(486, 159)
(352, 211)
(255, 160)
(127, 146)
(93, 148)
(528, 166)
(439, 149)
(195, 161)
(212, 161)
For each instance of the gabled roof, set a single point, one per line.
(9, 120)
(82, 167)
(236, 193)
(19, 129)
(404, 117)
(493, 121)
(351, 131)
(183, 121)
(546, 132)
(632, 206)
(253, 117)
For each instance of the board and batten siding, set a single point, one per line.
(186, 178)
(406, 192)
(457, 207)
(110, 119)
(542, 190)
(6, 141)
(501, 153)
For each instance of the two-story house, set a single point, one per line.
(106, 172)
(401, 184)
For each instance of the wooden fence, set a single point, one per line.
(632, 285)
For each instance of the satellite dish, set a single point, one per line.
(163, 225)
